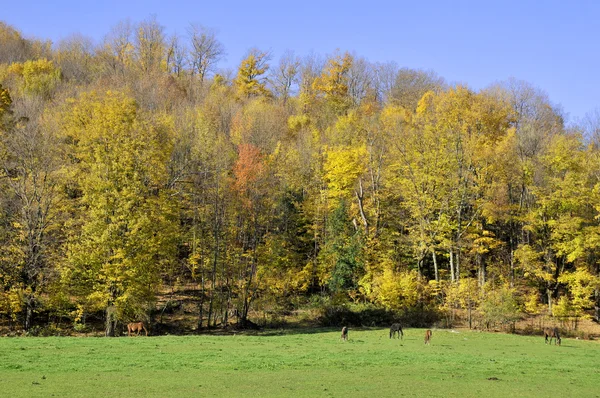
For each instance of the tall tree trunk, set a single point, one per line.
(221, 302)
(29, 304)
(201, 302)
(512, 267)
(457, 265)
(597, 306)
(225, 291)
(215, 318)
(549, 293)
(211, 301)
(216, 231)
(247, 299)
(452, 278)
(360, 198)
(199, 323)
(482, 271)
(111, 321)
(435, 265)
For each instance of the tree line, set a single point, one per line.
(136, 165)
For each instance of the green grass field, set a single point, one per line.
(300, 363)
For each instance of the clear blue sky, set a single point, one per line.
(554, 45)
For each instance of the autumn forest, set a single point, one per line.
(137, 166)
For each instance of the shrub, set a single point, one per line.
(372, 315)
(499, 307)
(46, 331)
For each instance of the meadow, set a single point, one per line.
(300, 363)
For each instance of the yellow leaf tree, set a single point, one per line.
(332, 84)
(125, 230)
(251, 80)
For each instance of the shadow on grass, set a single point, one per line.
(309, 330)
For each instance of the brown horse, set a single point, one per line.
(428, 336)
(553, 334)
(396, 328)
(345, 333)
(136, 327)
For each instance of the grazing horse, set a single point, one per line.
(428, 336)
(136, 327)
(345, 333)
(396, 328)
(553, 334)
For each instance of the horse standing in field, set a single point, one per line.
(345, 333)
(136, 327)
(396, 328)
(553, 334)
(428, 336)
